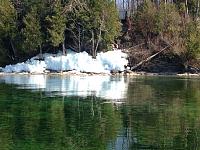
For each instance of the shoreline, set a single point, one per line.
(129, 74)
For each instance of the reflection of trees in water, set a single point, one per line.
(29, 121)
(163, 113)
(159, 113)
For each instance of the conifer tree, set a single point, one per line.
(105, 24)
(32, 31)
(8, 17)
(56, 25)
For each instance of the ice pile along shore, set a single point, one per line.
(81, 62)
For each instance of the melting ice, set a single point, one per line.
(82, 62)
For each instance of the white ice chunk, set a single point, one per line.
(82, 62)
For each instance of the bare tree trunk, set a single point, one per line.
(92, 53)
(186, 6)
(165, 2)
(40, 55)
(128, 5)
(132, 7)
(97, 44)
(137, 4)
(40, 50)
(79, 39)
(63, 46)
(197, 9)
(63, 49)
(13, 50)
(61, 62)
(157, 3)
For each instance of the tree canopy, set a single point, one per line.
(29, 26)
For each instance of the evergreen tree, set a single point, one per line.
(104, 22)
(32, 31)
(8, 30)
(96, 25)
(56, 25)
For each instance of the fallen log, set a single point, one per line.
(149, 58)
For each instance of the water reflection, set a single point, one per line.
(163, 113)
(157, 113)
(100, 86)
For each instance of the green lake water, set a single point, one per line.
(41, 112)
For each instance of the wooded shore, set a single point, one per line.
(159, 36)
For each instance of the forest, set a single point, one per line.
(167, 31)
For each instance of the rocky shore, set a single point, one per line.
(127, 73)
